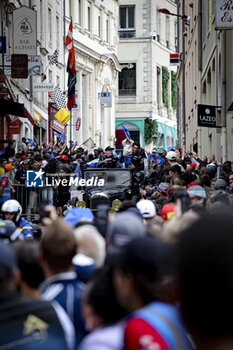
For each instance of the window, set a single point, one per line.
(158, 25)
(176, 36)
(127, 80)
(58, 80)
(70, 8)
(167, 32)
(99, 26)
(127, 19)
(79, 11)
(50, 76)
(50, 26)
(89, 17)
(107, 30)
(57, 33)
(41, 19)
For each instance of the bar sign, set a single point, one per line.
(174, 59)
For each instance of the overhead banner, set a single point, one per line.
(24, 31)
(206, 116)
(224, 14)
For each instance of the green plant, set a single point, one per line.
(151, 128)
(174, 89)
(165, 78)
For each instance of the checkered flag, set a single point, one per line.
(58, 97)
(54, 58)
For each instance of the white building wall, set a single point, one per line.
(148, 53)
(97, 62)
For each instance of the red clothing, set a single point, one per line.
(139, 335)
(4, 181)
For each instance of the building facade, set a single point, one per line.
(207, 81)
(95, 42)
(146, 83)
(50, 34)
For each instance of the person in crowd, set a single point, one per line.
(109, 160)
(137, 274)
(57, 249)
(9, 151)
(205, 259)
(197, 195)
(12, 210)
(30, 274)
(137, 161)
(3, 162)
(127, 145)
(172, 160)
(63, 192)
(33, 193)
(102, 313)
(29, 323)
(5, 186)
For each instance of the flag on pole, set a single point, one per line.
(54, 58)
(126, 131)
(71, 68)
(58, 97)
(31, 142)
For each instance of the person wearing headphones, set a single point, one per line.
(12, 210)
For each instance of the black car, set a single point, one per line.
(108, 187)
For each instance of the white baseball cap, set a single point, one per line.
(171, 155)
(146, 208)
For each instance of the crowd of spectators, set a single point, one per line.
(156, 276)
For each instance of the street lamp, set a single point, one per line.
(185, 18)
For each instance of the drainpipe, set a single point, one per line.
(183, 77)
(223, 111)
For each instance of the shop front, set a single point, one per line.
(166, 137)
(135, 128)
(55, 127)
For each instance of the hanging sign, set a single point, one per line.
(206, 116)
(224, 14)
(24, 31)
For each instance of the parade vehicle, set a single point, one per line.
(115, 187)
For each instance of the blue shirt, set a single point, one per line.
(67, 291)
(25, 228)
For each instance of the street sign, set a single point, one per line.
(78, 123)
(2, 44)
(43, 87)
(34, 65)
(206, 116)
(105, 99)
(24, 31)
(174, 59)
(14, 127)
(223, 14)
(19, 66)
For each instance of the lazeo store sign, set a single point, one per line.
(206, 116)
(24, 31)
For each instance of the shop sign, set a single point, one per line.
(206, 116)
(34, 65)
(14, 127)
(24, 31)
(78, 123)
(36, 116)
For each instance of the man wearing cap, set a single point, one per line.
(5, 187)
(172, 160)
(197, 195)
(109, 161)
(147, 209)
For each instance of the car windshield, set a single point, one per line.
(111, 178)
